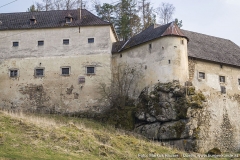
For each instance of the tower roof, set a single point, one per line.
(153, 32)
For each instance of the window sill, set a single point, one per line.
(39, 76)
(90, 74)
(65, 75)
(14, 77)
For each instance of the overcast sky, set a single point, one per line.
(218, 18)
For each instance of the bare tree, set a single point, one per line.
(69, 4)
(147, 13)
(58, 5)
(47, 5)
(123, 84)
(165, 12)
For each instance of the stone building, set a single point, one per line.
(56, 59)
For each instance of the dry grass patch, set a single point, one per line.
(56, 137)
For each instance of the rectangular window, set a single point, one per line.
(40, 43)
(39, 72)
(90, 40)
(222, 78)
(65, 71)
(182, 41)
(68, 20)
(238, 81)
(66, 41)
(223, 89)
(90, 70)
(150, 46)
(15, 44)
(13, 73)
(201, 75)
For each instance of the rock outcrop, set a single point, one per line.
(169, 113)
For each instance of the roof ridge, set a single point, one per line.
(206, 34)
(49, 19)
(42, 11)
(96, 16)
(211, 48)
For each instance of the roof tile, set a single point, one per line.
(48, 19)
(212, 48)
(153, 32)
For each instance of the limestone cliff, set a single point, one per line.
(174, 114)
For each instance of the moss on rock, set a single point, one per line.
(181, 107)
(191, 90)
(179, 127)
(196, 132)
(196, 100)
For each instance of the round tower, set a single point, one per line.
(169, 60)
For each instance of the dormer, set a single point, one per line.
(33, 20)
(69, 18)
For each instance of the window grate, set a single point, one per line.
(39, 72)
(15, 44)
(66, 41)
(90, 70)
(13, 73)
(90, 40)
(65, 71)
(40, 43)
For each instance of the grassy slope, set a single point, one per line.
(34, 137)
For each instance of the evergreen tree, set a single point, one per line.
(32, 8)
(127, 19)
(106, 12)
(178, 23)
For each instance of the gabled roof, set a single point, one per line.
(151, 33)
(48, 19)
(212, 48)
(117, 46)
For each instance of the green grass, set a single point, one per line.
(24, 137)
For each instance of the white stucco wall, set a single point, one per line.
(220, 132)
(24, 92)
(155, 63)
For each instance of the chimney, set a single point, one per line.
(79, 13)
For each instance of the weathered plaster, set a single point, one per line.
(166, 61)
(223, 129)
(54, 91)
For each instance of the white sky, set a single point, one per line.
(212, 17)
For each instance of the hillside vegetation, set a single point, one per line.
(56, 137)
